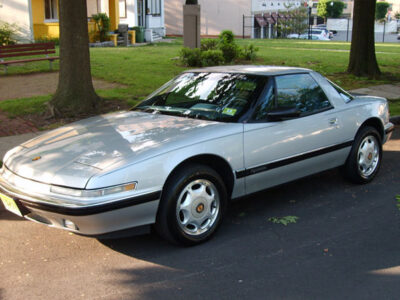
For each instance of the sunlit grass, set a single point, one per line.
(394, 107)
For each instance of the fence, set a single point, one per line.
(384, 31)
(277, 25)
(280, 25)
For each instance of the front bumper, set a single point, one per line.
(92, 220)
(389, 128)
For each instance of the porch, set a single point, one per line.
(146, 13)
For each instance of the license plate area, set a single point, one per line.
(10, 204)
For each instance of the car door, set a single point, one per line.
(281, 150)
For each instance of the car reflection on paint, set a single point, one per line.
(205, 137)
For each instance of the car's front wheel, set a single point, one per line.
(192, 205)
(365, 157)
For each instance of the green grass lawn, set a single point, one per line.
(143, 69)
(394, 106)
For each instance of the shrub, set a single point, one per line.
(381, 10)
(249, 52)
(7, 32)
(227, 36)
(46, 39)
(209, 44)
(212, 58)
(228, 46)
(230, 51)
(215, 52)
(103, 24)
(191, 57)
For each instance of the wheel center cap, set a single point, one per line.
(370, 156)
(200, 208)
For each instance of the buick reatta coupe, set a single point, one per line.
(176, 160)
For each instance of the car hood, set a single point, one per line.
(70, 155)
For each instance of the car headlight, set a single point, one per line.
(93, 193)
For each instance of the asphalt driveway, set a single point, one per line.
(345, 244)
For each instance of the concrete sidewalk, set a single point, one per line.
(388, 91)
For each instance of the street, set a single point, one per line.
(345, 244)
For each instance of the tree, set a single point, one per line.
(362, 54)
(296, 22)
(75, 93)
(381, 10)
(330, 9)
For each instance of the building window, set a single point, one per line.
(50, 10)
(154, 7)
(122, 8)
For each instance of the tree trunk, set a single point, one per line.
(362, 55)
(75, 93)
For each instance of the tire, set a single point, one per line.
(192, 205)
(365, 156)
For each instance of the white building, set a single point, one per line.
(218, 15)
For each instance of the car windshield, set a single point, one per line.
(211, 96)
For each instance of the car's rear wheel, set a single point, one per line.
(192, 205)
(365, 157)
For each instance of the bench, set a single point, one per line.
(27, 50)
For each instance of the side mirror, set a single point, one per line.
(283, 113)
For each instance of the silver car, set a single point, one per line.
(205, 137)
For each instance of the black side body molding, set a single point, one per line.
(291, 160)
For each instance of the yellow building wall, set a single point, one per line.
(113, 7)
(42, 29)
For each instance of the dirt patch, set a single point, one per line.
(36, 122)
(24, 86)
(14, 126)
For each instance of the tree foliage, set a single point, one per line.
(295, 23)
(381, 10)
(330, 9)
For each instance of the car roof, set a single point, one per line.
(251, 69)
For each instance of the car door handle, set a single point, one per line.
(333, 122)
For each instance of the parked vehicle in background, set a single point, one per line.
(316, 34)
(330, 33)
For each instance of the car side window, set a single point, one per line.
(302, 92)
(266, 104)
